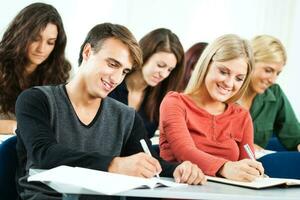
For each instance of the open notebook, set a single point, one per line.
(76, 180)
(263, 152)
(259, 183)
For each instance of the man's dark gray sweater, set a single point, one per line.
(50, 134)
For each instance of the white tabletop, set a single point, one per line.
(210, 191)
(218, 191)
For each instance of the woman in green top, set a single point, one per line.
(269, 107)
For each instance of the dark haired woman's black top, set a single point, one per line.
(121, 94)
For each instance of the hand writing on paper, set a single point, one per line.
(188, 172)
(243, 170)
(140, 164)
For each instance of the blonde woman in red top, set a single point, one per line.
(203, 124)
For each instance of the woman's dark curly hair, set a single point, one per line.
(24, 28)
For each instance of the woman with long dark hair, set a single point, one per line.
(32, 52)
(162, 71)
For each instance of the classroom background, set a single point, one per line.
(192, 20)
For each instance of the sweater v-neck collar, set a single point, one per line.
(64, 90)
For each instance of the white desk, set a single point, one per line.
(209, 191)
(218, 191)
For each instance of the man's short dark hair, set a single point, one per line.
(99, 33)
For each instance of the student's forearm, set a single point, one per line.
(59, 155)
(133, 146)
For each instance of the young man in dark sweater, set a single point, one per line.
(76, 125)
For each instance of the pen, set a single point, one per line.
(249, 152)
(251, 155)
(147, 151)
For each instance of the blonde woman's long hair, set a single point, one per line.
(268, 49)
(224, 48)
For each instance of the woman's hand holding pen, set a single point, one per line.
(243, 170)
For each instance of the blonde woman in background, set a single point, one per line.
(270, 109)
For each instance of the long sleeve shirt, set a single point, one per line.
(272, 112)
(188, 132)
(50, 134)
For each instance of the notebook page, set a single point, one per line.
(258, 183)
